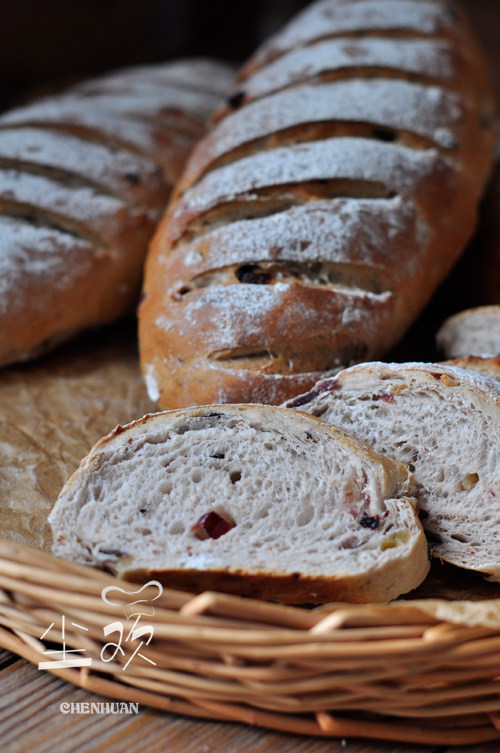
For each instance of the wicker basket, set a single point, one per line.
(423, 672)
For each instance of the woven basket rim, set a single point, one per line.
(420, 671)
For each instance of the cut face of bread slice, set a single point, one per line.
(474, 332)
(249, 499)
(444, 423)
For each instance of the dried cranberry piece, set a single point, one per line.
(212, 525)
(369, 521)
(387, 398)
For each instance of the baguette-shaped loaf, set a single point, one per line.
(329, 199)
(84, 178)
(444, 422)
(248, 499)
(474, 332)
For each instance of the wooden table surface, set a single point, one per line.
(31, 722)
(30, 717)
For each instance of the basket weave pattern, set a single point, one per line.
(421, 672)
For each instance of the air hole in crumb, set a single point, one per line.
(196, 476)
(165, 487)
(434, 538)
(319, 411)
(235, 476)
(218, 456)
(460, 537)
(268, 446)
(305, 516)
(144, 531)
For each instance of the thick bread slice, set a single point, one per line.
(474, 332)
(318, 515)
(444, 422)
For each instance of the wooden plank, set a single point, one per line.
(7, 658)
(31, 719)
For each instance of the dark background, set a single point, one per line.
(48, 44)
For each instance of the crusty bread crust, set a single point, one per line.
(316, 218)
(84, 178)
(392, 571)
(486, 366)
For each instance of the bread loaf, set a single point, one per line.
(84, 178)
(444, 422)
(474, 332)
(248, 499)
(331, 196)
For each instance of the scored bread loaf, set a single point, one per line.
(84, 178)
(249, 499)
(474, 332)
(317, 216)
(444, 422)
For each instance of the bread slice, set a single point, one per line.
(308, 513)
(474, 332)
(444, 422)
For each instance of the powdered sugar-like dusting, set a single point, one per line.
(201, 75)
(355, 231)
(334, 17)
(233, 316)
(397, 167)
(78, 203)
(33, 257)
(409, 106)
(151, 381)
(429, 57)
(101, 164)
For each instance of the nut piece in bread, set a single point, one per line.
(331, 196)
(247, 499)
(84, 178)
(474, 332)
(444, 422)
